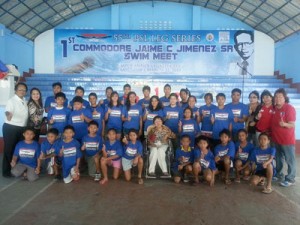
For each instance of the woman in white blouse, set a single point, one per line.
(16, 117)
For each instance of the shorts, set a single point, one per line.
(50, 165)
(127, 164)
(116, 164)
(91, 165)
(261, 173)
(179, 173)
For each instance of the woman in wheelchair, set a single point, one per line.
(158, 142)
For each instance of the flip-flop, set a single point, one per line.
(268, 190)
(227, 181)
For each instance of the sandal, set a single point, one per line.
(227, 181)
(140, 180)
(237, 180)
(261, 183)
(267, 190)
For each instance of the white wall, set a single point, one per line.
(44, 52)
(264, 54)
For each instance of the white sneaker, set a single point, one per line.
(97, 177)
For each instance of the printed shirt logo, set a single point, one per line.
(223, 153)
(173, 115)
(131, 151)
(260, 159)
(151, 116)
(111, 152)
(59, 118)
(185, 159)
(243, 156)
(221, 116)
(53, 104)
(133, 112)
(92, 146)
(97, 116)
(188, 128)
(236, 112)
(76, 119)
(204, 163)
(26, 153)
(115, 113)
(50, 151)
(68, 152)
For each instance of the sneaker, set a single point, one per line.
(97, 177)
(286, 183)
(274, 179)
(57, 177)
(185, 178)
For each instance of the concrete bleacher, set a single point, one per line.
(198, 85)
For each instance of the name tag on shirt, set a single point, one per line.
(92, 146)
(96, 116)
(185, 159)
(115, 113)
(59, 118)
(243, 156)
(188, 128)
(76, 119)
(236, 112)
(50, 151)
(131, 151)
(112, 152)
(173, 115)
(223, 153)
(204, 163)
(262, 158)
(206, 113)
(69, 152)
(26, 153)
(221, 116)
(133, 112)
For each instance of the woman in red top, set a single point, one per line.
(283, 136)
(264, 115)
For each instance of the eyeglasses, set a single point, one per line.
(244, 44)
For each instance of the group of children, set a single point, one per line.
(110, 133)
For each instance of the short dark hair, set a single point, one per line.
(108, 88)
(239, 32)
(28, 129)
(56, 84)
(77, 99)
(93, 94)
(226, 132)
(21, 84)
(185, 136)
(236, 90)
(60, 94)
(192, 96)
(266, 93)
(126, 85)
(188, 108)
(53, 131)
(220, 95)
(133, 131)
(112, 129)
(283, 92)
(242, 131)
(173, 95)
(146, 87)
(203, 138)
(69, 127)
(158, 118)
(264, 134)
(167, 85)
(209, 95)
(79, 88)
(93, 122)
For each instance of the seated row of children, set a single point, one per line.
(66, 154)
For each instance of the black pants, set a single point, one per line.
(11, 136)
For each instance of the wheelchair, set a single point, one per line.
(158, 173)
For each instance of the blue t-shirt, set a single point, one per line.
(150, 116)
(132, 150)
(191, 128)
(175, 114)
(48, 149)
(164, 101)
(239, 110)
(98, 116)
(79, 125)
(223, 118)
(105, 103)
(135, 113)
(144, 102)
(115, 148)
(205, 111)
(182, 156)
(225, 150)
(259, 156)
(115, 117)
(85, 104)
(184, 105)
(27, 154)
(60, 117)
(50, 102)
(71, 152)
(93, 145)
(208, 162)
(246, 151)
